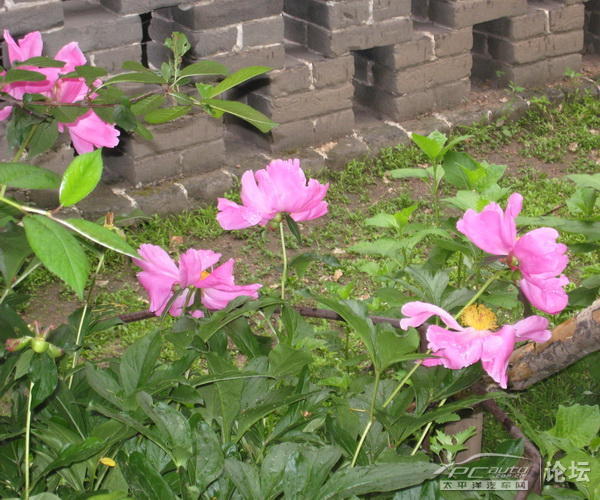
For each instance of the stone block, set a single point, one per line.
(557, 66)
(208, 187)
(295, 77)
(403, 55)
(208, 14)
(336, 15)
(420, 9)
(94, 28)
(268, 55)
(112, 59)
(463, 13)
(175, 135)
(147, 169)
(102, 201)
(386, 9)
(136, 6)
(567, 18)
(564, 43)
(295, 30)
(289, 136)
(424, 76)
(446, 42)
(262, 31)
(21, 19)
(333, 125)
(518, 27)
(339, 42)
(161, 200)
(203, 157)
(303, 105)
(525, 51)
(526, 75)
(326, 72)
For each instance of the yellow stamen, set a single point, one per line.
(109, 462)
(204, 275)
(479, 317)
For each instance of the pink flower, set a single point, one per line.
(160, 274)
(280, 188)
(536, 254)
(458, 346)
(88, 131)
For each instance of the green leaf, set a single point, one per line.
(579, 424)
(245, 477)
(14, 250)
(145, 481)
(586, 180)
(137, 363)
(293, 227)
(383, 477)
(75, 453)
(124, 118)
(43, 138)
(68, 114)
(81, 178)
(43, 374)
(164, 115)
(301, 261)
(382, 220)
(404, 173)
(23, 75)
(135, 66)
(243, 111)
(90, 73)
(58, 250)
(204, 68)
(285, 361)
(102, 236)
(209, 455)
(238, 77)
(138, 77)
(431, 145)
(386, 247)
(148, 104)
(589, 229)
(393, 346)
(25, 176)
(40, 62)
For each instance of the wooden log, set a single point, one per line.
(571, 340)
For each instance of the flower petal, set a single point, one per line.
(219, 296)
(540, 254)
(419, 312)
(89, 131)
(455, 349)
(159, 290)
(5, 112)
(234, 216)
(29, 46)
(156, 261)
(533, 328)
(496, 351)
(193, 262)
(547, 294)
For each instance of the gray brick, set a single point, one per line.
(326, 72)
(333, 125)
(424, 76)
(525, 51)
(558, 65)
(295, 30)
(161, 200)
(288, 136)
(150, 168)
(263, 31)
(403, 55)
(136, 6)
(203, 157)
(480, 43)
(386, 9)
(338, 42)
(208, 187)
(178, 134)
(564, 43)
(270, 55)
(208, 14)
(518, 27)
(304, 105)
(526, 74)
(463, 13)
(295, 77)
(447, 42)
(420, 9)
(157, 54)
(112, 59)
(567, 18)
(24, 18)
(102, 201)
(336, 15)
(94, 28)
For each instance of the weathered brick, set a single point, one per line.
(463, 13)
(403, 55)
(335, 14)
(207, 187)
(208, 14)
(136, 6)
(295, 30)
(203, 157)
(567, 18)
(420, 9)
(327, 72)
(161, 200)
(447, 42)
(268, 55)
(333, 125)
(148, 169)
(22, 18)
(518, 27)
(557, 66)
(112, 59)
(295, 77)
(178, 134)
(480, 43)
(291, 135)
(94, 28)
(386, 9)
(564, 43)
(525, 51)
(525, 74)
(338, 42)
(423, 76)
(304, 105)
(263, 31)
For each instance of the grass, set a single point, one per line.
(546, 134)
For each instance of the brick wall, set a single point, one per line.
(396, 58)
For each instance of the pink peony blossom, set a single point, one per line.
(458, 346)
(536, 254)
(87, 131)
(280, 188)
(195, 271)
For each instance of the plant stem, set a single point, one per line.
(371, 420)
(27, 440)
(83, 315)
(18, 280)
(284, 257)
(479, 293)
(402, 383)
(425, 431)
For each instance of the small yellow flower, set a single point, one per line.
(109, 462)
(479, 317)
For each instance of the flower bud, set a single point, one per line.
(39, 345)
(12, 345)
(54, 352)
